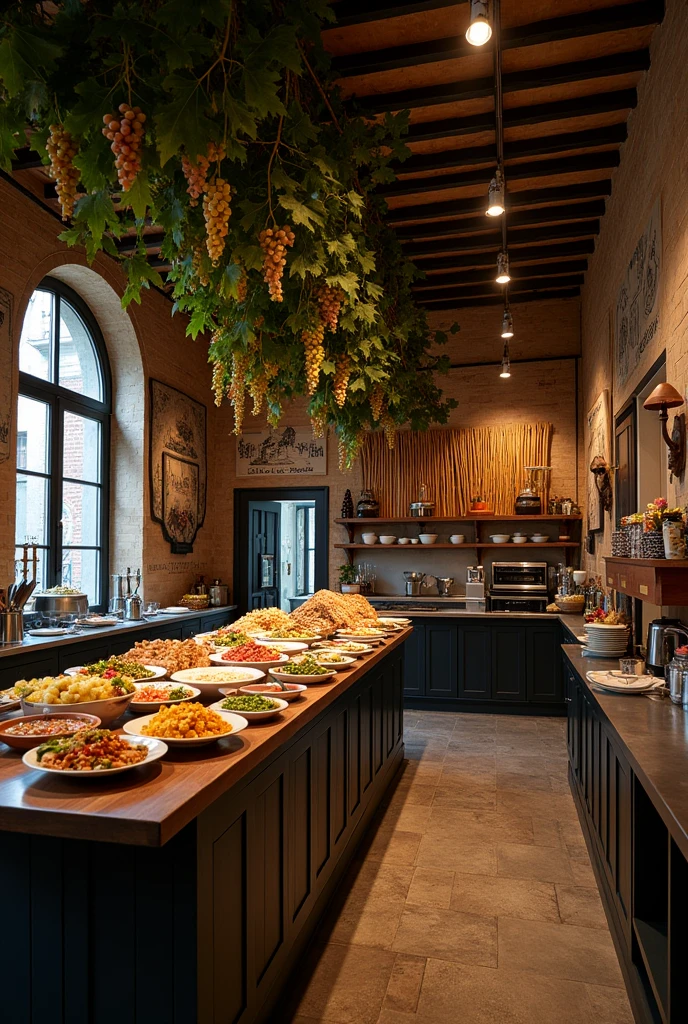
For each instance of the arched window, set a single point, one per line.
(63, 441)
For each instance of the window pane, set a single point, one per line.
(41, 566)
(36, 342)
(32, 506)
(81, 448)
(80, 569)
(33, 423)
(79, 367)
(80, 514)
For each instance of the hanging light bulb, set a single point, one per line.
(503, 275)
(506, 364)
(495, 195)
(507, 324)
(479, 29)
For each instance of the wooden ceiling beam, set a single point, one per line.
(539, 113)
(599, 189)
(514, 81)
(361, 12)
(489, 288)
(572, 26)
(498, 300)
(471, 225)
(486, 275)
(517, 256)
(538, 235)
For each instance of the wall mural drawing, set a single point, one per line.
(637, 304)
(598, 460)
(289, 451)
(178, 466)
(6, 359)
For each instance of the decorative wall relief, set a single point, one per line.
(6, 372)
(178, 465)
(289, 451)
(598, 449)
(637, 305)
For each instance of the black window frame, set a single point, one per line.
(302, 555)
(60, 400)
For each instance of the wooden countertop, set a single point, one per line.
(653, 735)
(147, 806)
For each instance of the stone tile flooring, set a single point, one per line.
(473, 899)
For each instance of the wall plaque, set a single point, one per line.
(289, 451)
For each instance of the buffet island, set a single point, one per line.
(185, 889)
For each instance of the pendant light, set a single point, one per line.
(503, 275)
(507, 324)
(479, 29)
(506, 364)
(495, 195)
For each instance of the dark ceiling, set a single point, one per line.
(570, 69)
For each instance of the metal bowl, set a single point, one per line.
(58, 606)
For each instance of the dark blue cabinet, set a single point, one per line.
(441, 675)
(475, 662)
(508, 663)
(545, 682)
(414, 661)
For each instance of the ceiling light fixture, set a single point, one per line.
(506, 364)
(495, 195)
(479, 29)
(507, 324)
(503, 275)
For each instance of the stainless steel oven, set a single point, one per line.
(518, 586)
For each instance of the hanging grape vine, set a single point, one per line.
(231, 141)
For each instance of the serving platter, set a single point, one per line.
(158, 673)
(325, 677)
(263, 666)
(49, 631)
(252, 716)
(606, 681)
(156, 750)
(144, 707)
(237, 722)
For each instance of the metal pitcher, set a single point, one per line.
(416, 581)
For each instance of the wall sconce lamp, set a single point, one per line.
(664, 397)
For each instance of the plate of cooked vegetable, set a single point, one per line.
(117, 666)
(187, 725)
(93, 753)
(254, 707)
(344, 647)
(151, 696)
(249, 654)
(333, 659)
(106, 698)
(298, 633)
(273, 688)
(305, 670)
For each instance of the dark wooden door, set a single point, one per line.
(625, 482)
(509, 663)
(475, 662)
(414, 662)
(441, 668)
(264, 554)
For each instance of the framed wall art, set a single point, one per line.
(598, 453)
(178, 464)
(288, 451)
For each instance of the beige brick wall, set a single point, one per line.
(654, 164)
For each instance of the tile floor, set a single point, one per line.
(473, 900)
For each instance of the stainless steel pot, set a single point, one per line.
(662, 640)
(218, 594)
(58, 606)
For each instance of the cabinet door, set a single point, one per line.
(475, 662)
(544, 664)
(441, 678)
(573, 721)
(414, 662)
(508, 663)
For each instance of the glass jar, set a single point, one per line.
(676, 673)
(366, 506)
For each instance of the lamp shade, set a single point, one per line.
(664, 396)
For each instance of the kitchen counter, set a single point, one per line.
(35, 643)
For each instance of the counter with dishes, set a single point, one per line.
(235, 807)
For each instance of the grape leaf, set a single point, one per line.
(95, 101)
(96, 163)
(139, 196)
(241, 120)
(182, 121)
(140, 275)
(261, 89)
(95, 213)
(24, 56)
(327, 366)
(301, 214)
(230, 280)
(10, 138)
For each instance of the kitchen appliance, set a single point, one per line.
(518, 586)
(218, 592)
(11, 627)
(444, 583)
(423, 506)
(676, 675)
(416, 581)
(662, 640)
(133, 603)
(529, 500)
(60, 606)
(475, 574)
(367, 507)
(117, 598)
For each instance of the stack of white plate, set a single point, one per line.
(606, 641)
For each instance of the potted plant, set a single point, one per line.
(478, 503)
(348, 575)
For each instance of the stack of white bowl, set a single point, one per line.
(607, 641)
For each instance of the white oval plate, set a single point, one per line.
(147, 706)
(358, 639)
(156, 750)
(98, 622)
(174, 609)
(338, 666)
(49, 631)
(365, 648)
(284, 646)
(280, 694)
(263, 666)
(191, 676)
(237, 722)
(308, 641)
(158, 670)
(604, 680)
(253, 716)
(286, 678)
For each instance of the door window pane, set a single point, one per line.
(33, 425)
(80, 514)
(79, 369)
(32, 509)
(81, 569)
(81, 448)
(36, 342)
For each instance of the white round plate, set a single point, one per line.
(220, 676)
(49, 631)
(395, 620)
(327, 677)
(281, 694)
(219, 659)
(98, 622)
(645, 676)
(365, 648)
(158, 673)
(284, 646)
(308, 641)
(610, 655)
(607, 682)
(338, 666)
(358, 639)
(156, 750)
(174, 609)
(145, 707)
(237, 722)
(253, 716)
(606, 628)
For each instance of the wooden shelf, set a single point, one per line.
(661, 581)
(456, 547)
(460, 519)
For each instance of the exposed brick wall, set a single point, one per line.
(654, 164)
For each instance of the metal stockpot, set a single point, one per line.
(219, 594)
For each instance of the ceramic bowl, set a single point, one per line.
(404, 540)
(209, 680)
(428, 538)
(457, 538)
(414, 540)
(388, 540)
(263, 666)
(519, 538)
(107, 710)
(500, 538)
(293, 692)
(27, 742)
(539, 538)
(369, 538)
